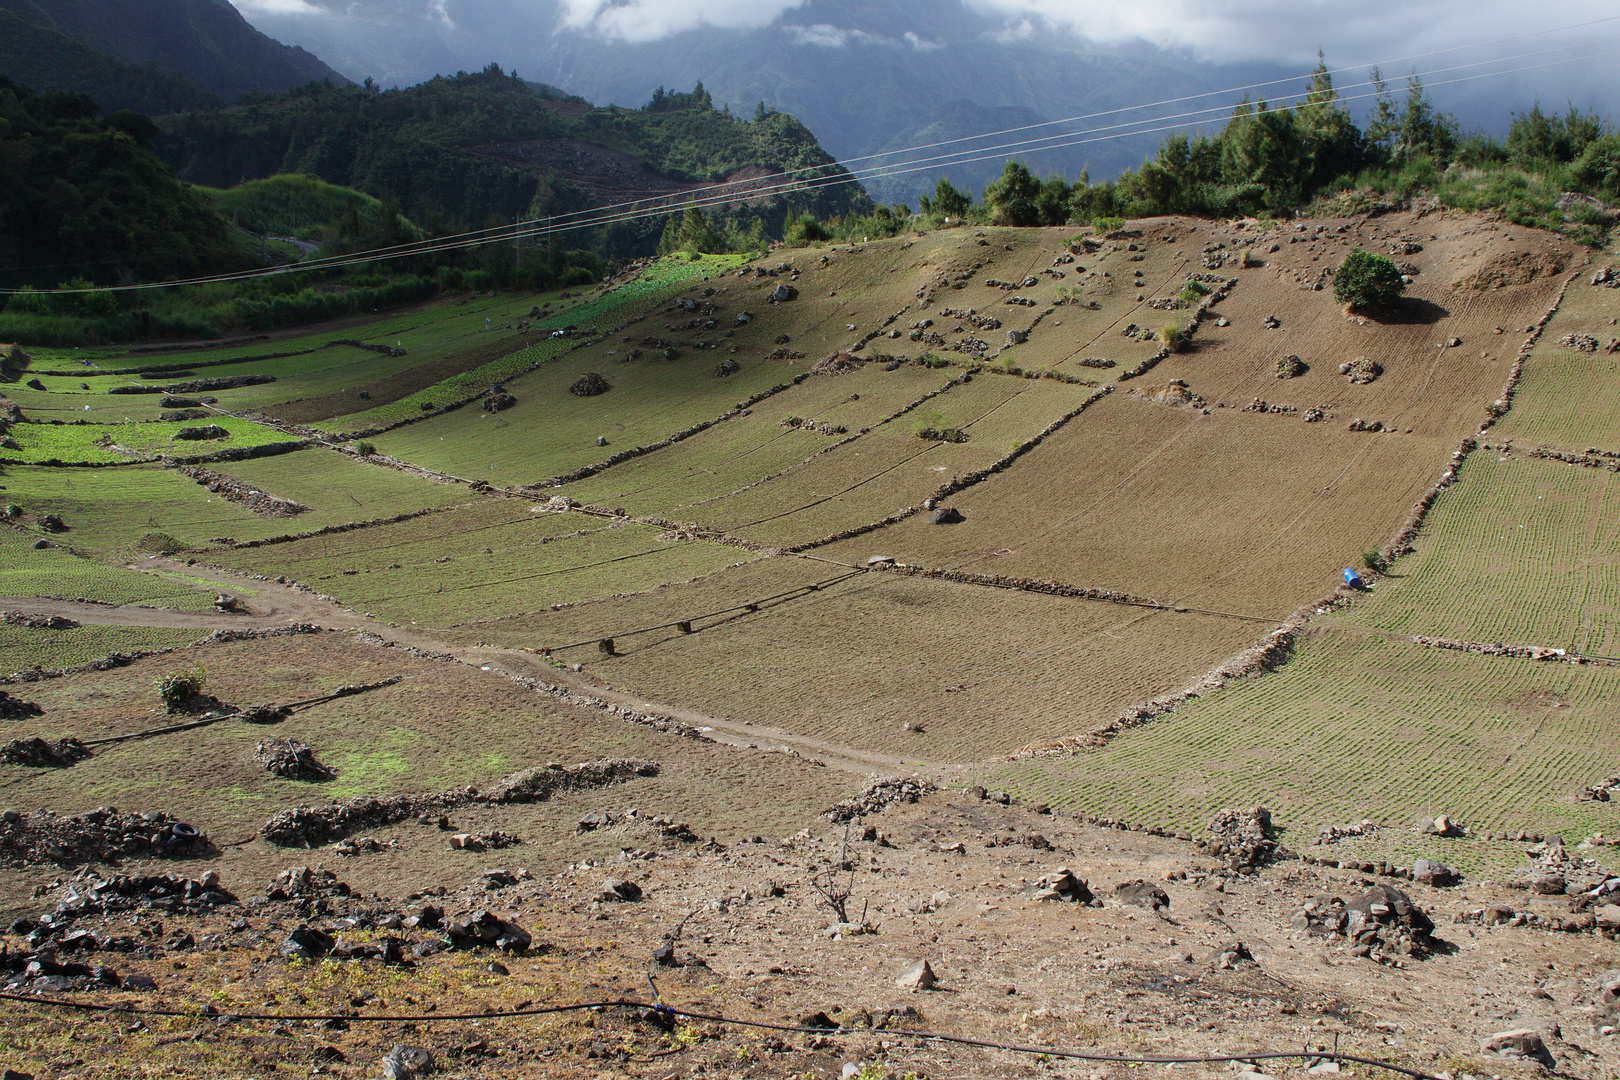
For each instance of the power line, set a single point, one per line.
(559, 225)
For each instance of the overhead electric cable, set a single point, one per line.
(559, 224)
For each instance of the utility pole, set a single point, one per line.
(517, 245)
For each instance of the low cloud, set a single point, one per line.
(828, 36)
(649, 20)
(278, 7)
(1293, 30)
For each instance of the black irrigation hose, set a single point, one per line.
(668, 1010)
(752, 605)
(342, 692)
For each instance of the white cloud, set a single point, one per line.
(649, 20)
(1293, 30)
(827, 36)
(278, 7)
(436, 9)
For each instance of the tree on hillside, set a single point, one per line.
(1011, 197)
(1366, 280)
(691, 232)
(1537, 137)
(948, 201)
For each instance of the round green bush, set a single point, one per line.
(1365, 280)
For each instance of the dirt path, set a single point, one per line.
(276, 605)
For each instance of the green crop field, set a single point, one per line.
(114, 443)
(1520, 551)
(22, 649)
(1362, 726)
(494, 559)
(54, 571)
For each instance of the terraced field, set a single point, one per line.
(1520, 551)
(1357, 726)
(714, 512)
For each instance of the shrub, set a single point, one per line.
(1372, 560)
(1365, 280)
(363, 448)
(157, 543)
(178, 687)
(1107, 224)
(1174, 335)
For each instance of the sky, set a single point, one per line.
(1214, 30)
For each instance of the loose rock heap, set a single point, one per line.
(878, 794)
(1382, 923)
(102, 835)
(43, 753)
(1244, 837)
(290, 760)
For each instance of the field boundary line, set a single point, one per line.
(1058, 588)
(1274, 651)
(945, 491)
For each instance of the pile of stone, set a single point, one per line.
(41, 753)
(838, 363)
(1060, 885)
(1579, 342)
(12, 708)
(726, 367)
(589, 384)
(490, 841)
(308, 826)
(1381, 924)
(1095, 362)
(1441, 825)
(497, 400)
(37, 622)
(101, 835)
(1607, 276)
(1598, 792)
(1332, 834)
(784, 354)
(1244, 837)
(1359, 424)
(1289, 367)
(482, 930)
(1142, 894)
(1361, 370)
(290, 760)
(200, 434)
(877, 795)
(1314, 416)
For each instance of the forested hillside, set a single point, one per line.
(208, 41)
(44, 59)
(475, 149)
(80, 193)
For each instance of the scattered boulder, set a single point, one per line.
(589, 384)
(1436, 874)
(617, 890)
(406, 1063)
(1016, 337)
(1060, 885)
(917, 976)
(1231, 956)
(1440, 825)
(726, 367)
(290, 760)
(784, 293)
(497, 402)
(1142, 894)
(307, 943)
(1523, 1044)
(483, 929)
(946, 515)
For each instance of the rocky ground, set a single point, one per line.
(1036, 930)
